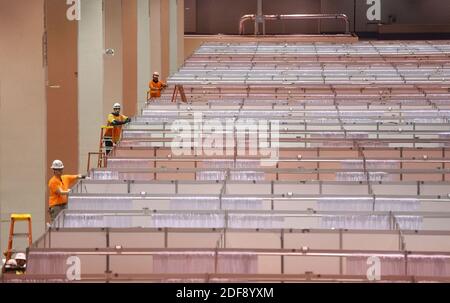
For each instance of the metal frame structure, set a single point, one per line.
(343, 109)
(44, 246)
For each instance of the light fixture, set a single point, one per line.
(110, 52)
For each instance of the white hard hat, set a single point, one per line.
(117, 105)
(11, 263)
(156, 74)
(20, 256)
(57, 164)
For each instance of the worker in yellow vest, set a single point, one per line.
(155, 87)
(116, 120)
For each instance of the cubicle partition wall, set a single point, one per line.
(352, 164)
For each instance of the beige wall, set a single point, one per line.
(155, 34)
(129, 37)
(191, 45)
(113, 65)
(159, 33)
(180, 33)
(176, 34)
(143, 51)
(90, 79)
(22, 113)
(164, 28)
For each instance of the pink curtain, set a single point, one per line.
(199, 262)
(431, 266)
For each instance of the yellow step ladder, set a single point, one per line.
(17, 218)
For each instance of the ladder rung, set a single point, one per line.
(21, 235)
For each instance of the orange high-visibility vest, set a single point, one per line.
(155, 89)
(64, 184)
(116, 131)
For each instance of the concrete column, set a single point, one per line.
(62, 87)
(176, 34)
(159, 32)
(113, 64)
(23, 116)
(164, 28)
(156, 36)
(129, 34)
(90, 78)
(180, 32)
(143, 50)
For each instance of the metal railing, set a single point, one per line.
(247, 219)
(212, 277)
(403, 257)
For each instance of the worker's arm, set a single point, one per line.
(70, 180)
(63, 192)
(112, 120)
(117, 123)
(125, 120)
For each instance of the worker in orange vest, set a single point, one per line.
(59, 188)
(116, 120)
(155, 87)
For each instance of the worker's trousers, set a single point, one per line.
(55, 210)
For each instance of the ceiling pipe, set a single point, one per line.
(253, 17)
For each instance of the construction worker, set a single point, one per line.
(10, 266)
(116, 120)
(155, 87)
(21, 261)
(59, 188)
